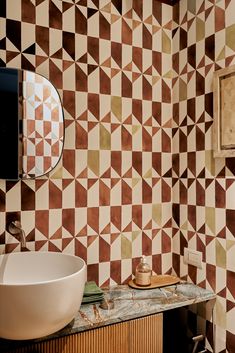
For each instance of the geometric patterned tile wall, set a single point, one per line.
(109, 200)
(203, 187)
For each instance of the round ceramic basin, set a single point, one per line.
(40, 293)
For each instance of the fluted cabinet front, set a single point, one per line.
(134, 336)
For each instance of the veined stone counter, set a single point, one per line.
(128, 304)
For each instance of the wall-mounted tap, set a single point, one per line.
(16, 228)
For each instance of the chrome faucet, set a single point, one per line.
(16, 228)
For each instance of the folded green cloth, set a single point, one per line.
(91, 288)
(92, 293)
(93, 299)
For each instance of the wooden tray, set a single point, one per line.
(157, 281)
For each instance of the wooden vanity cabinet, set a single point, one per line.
(144, 335)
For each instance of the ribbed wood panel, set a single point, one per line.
(146, 334)
(108, 339)
(135, 336)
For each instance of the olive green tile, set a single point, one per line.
(182, 90)
(58, 172)
(135, 234)
(200, 29)
(230, 35)
(191, 4)
(210, 218)
(148, 174)
(135, 181)
(168, 74)
(229, 244)
(155, 79)
(116, 107)
(220, 255)
(126, 248)
(105, 138)
(220, 312)
(157, 213)
(166, 43)
(221, 55)
(94, 161)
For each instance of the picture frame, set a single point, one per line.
(224, 112)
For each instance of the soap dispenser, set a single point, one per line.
(143, 273)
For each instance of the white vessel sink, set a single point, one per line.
(40, 293)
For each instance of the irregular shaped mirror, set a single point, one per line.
(33, 125)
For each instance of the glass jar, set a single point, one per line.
(143, 273)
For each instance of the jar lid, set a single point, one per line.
(143, 259)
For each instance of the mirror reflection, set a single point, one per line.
(35, 136)
(43, 127)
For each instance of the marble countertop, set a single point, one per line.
(128, 304)
(134, 303)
